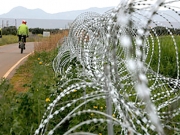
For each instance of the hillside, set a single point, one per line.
(39, 18)
(22, 12)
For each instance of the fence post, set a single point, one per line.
(110, 129)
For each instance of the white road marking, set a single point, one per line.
(9, 71)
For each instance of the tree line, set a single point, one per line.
(161, 31)
(12, 30)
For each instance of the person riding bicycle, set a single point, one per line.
(23, 30)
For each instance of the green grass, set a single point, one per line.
(167, 53)
(10, 39)
(23, 98)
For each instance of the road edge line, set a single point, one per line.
(10, 70)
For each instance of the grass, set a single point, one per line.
(23, 103)
(10, 39)
(24, 98)
(49, 43)
(45, 51)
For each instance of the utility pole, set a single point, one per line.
(7, 23)
(15, 23)
(2, 24)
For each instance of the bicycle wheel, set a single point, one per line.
(22, 44)
(22, 49)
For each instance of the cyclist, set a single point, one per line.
(23, 30)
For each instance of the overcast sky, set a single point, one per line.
(55, 6)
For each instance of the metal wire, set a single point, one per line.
(109, 57)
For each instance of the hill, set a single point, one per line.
(39, 18)
(22, 12)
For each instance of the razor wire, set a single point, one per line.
(109, 58)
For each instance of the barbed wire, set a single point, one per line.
(116, 59)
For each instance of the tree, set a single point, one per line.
(11, 30)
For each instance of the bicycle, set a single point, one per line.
(22, 45)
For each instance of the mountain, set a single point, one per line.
(22, 12)
(38, 18)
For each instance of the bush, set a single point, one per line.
(11, 30)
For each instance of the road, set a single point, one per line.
(11, 58)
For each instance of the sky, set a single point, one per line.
(55, 6)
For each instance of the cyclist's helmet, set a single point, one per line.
(24, 21)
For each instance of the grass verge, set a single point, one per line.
(23, 98)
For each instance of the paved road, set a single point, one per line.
(11, 58)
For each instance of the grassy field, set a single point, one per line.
(9, 39)
(24, 98)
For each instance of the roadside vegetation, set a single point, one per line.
(9, 34)
(10, 39)
(24, 98)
